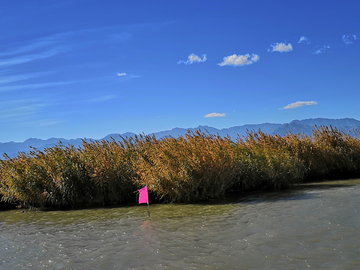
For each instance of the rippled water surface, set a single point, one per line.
(313, 226)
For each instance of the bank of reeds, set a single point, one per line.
(190, 168)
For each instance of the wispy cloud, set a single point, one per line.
(27, 112)
(298, 104)
(126, 76)
(40, 123)
(33, 45)
(281, 47)
(20, 108)
(31, 57)
(19, 111)
(349, 39)
(323, 49)
(102, 98)
(210, 115)
(304, 40)
(15, 78)
(57, 43)
(239, 60)
(35, 85)
(193, 58)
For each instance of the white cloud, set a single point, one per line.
(323, 49)
(215, 115)
(304, 40)
(193, 58)
(125, 76)
(239, 60)
(298, 104)
(349, 39)
(281, 47)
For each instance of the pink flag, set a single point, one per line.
(143, 197)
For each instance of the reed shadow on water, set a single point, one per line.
(303, 191)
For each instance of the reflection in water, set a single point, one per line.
(313, 227)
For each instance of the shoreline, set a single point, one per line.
(233, 196)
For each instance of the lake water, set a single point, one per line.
(313, 226)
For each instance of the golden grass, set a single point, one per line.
(193, 167)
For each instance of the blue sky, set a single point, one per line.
(85, 68)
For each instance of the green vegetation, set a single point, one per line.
(190, 168)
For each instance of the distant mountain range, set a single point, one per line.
(297, 126)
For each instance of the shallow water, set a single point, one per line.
(313, 226)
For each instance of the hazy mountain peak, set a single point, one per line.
(296, 126)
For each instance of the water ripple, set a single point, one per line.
(316, 228)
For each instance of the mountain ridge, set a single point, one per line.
(304, 126)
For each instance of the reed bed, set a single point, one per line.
(193, 167)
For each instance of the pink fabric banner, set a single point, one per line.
(143, 197)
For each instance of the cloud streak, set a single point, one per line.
(35, 85)
(102, 98)
(298, 104)
(211, 115)
(121, 74)
(239, 60)
(55, 44)
(193, 58)
(31, 57)
(31, 47)
(40, 123)
(281, 47)
(15, 78)
(20, 108)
